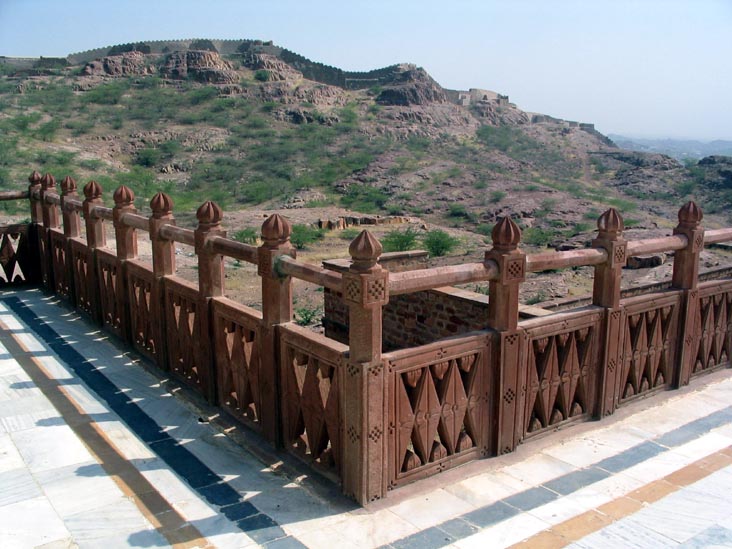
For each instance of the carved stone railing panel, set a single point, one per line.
(713, 327)
(237, 330)
(139, 291)
(16, 262)
(59, 264)
(438, 406)
(649, 343)
(562, 357)
(109, 291)
(83, 269)
(181, 320)
(311, 375)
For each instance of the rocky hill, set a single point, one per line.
(253, 125)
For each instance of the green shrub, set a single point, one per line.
(536, 236)
(262, 75)
(148, 157)
(304, 235)
(349, 234)
(496, 196)
(364, 198)
(305, 316)
(457, 210)
(400, 241)
(439, 243)
(247, 236)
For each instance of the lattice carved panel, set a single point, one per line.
(238, 363)
(562, 370)
(439, 410)
(109, 291)
(712, 331)
(648, 348)
(82, 267)
(139, 288)
(181, 310)
(12, 246)
(62, 284)
(311, 398)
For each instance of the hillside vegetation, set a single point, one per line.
(249, 131)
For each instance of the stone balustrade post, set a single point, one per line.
(503, 303)
(34, 186)
(71, 216)
(276, 309)
(126, 241)
(363, 394)
(72, 229)
(606, 294)
(163, 252)
(210, 285)
(686, 278)
(95, 238)
(50, 219)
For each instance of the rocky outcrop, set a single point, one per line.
(411, 86)
(276, 68)
(133, 63)
(203, 66)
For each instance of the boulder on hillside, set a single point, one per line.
(203, 66)
(133, 63)
(277, 69)
(411, 86)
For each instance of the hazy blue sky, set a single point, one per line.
(643, 67)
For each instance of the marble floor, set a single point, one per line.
(97, 450)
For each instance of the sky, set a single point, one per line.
(641, 68)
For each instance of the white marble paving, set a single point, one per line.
(30, 523)
(45, 448)
(505, 533)
(432, 508)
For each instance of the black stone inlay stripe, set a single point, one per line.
(211, 487)
(471, 522)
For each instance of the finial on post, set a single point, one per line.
(68, 185)
(209, 215)
(161, 205)
(92, 190)
(34, 178)
(690, 215)
(506, 235)
(610, 225)
(276, 230)
(123, 197)
(48, 182)
(365, 250)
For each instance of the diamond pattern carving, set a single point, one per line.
(12, 255)
(712, 331)
(647, 354)
(561, 370)
(181, 313)
(439, 409)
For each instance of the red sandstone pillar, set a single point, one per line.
(606, 293)
(49, 215)
(276, 309)
(509, 343)
(163, 252)
(686, 278)
(72, 229)
(35, 229)
(210, 285)
(95, 238)
(363, 396)
(126, 240)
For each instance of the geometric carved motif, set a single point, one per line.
(313, 412)
(648, 349)
(83, 282)
(238, 368)
(182, 330)
(712, 329)
(108, 292)
(440, 410)
(561, 370)
(141, 325)
(12, 247)
(58, 261)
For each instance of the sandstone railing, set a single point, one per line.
(372, 420)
